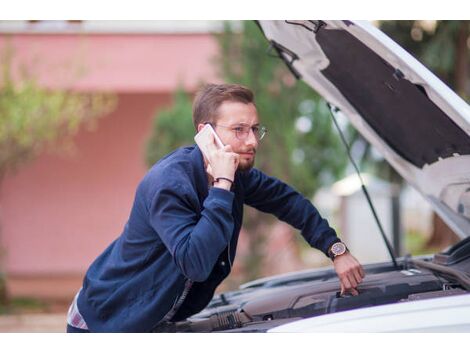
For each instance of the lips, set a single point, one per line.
(247, 154)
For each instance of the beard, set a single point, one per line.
(246, 164)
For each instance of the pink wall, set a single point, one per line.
(59, 212)
(124, 63)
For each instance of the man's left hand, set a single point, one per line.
(349, 271)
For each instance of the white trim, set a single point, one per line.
(442, 314)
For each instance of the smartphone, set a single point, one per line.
(204, 139)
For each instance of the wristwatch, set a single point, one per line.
(337, 249)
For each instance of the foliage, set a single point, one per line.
(33, 118)
(3, 292)
(21, 305)
(172, 128)
(301, 146)
(415, 244)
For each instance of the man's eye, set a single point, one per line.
(239, 129)
(255, 129)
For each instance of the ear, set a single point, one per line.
(200, 127)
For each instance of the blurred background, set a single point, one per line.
(86, 107)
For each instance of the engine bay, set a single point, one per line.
(268, 303)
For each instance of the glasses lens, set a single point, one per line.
(242, 132)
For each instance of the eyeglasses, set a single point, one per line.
(242, 131)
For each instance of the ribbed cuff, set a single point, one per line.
(222, 197)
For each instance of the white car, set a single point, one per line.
(422, 128)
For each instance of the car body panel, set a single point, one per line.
(445, 314)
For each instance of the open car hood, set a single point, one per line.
(413, 119)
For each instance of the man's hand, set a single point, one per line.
(222, 162)
(349, 271)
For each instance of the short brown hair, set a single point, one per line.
(211, 96)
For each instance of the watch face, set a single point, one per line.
(338, 248)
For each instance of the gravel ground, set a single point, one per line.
(33, 322)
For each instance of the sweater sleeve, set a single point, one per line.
(270, 195)
(194, 237)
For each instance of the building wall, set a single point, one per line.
(60, 211)
(111, 62)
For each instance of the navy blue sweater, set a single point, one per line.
(179, 241)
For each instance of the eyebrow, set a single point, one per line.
(245, 124)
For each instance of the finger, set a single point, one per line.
(352, 280)
(237, 158)
(357, 275)
(212, 145)
(354, 292)
(346, 283)
(361, 270)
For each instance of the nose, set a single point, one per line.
(252, 140)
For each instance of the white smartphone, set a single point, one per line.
(204, 139)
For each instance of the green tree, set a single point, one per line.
(301, 146)
(33, 118)
(172, 128)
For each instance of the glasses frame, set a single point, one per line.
(258, 135)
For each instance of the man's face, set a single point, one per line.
(232, 118)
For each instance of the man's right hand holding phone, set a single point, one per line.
(223, 163)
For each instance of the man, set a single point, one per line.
(180, 240)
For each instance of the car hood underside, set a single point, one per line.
(419, 125)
